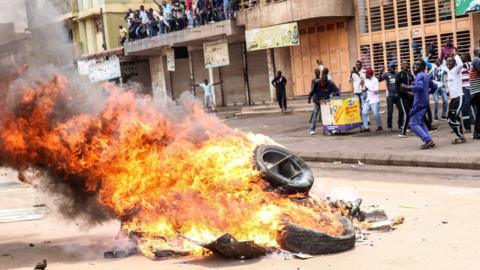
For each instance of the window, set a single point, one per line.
(415, 12)
(365, 56)
(375, 16)
(391, 51)
(362, 16)
(445, 10)
(431, 47)
(404, 50)
(378, 60)
(429, 13)
(388, 15)
(463, 42)
(417, 48)
(402, 13)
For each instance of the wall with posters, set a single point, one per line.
(282, 35)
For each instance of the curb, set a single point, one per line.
(469, 163)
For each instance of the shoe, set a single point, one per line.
(409, 131)
(467, 131)
(312, 132)
(427, 145)
(444, 118)
(365, 130)
(436, 118)
(433, 129)
(379, 129)
(402, 135)
(459, 141)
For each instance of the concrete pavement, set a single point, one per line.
(377, 148)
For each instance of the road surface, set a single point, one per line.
(441, 209)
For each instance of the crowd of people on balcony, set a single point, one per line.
(175, 16)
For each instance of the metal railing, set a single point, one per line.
(248, 4)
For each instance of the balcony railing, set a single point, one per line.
(247, 4)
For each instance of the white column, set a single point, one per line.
(157, 74)
(211, 78)
(271, 74)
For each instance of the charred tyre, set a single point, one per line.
(286, 172)
(304, 240)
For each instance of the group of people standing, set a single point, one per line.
(450, 75)
(175, 15)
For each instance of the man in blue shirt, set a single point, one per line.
(421, 90)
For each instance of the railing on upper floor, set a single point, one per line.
(247, 4)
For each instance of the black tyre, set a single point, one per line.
(286, 172)
(304, 240)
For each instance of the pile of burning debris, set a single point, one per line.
(177, 181)
(287, 175)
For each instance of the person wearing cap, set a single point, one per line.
(372, 102)
(421, 92)
(392, 95)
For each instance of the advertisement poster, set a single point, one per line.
(282, 35)
(82, 66)
(466, 6)
(171, 59)
(105, 70)
(216, 54)
(345, 111)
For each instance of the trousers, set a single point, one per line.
(476, 109)
(417, 123)
(375, 108)
(282, 99)
(394, 100)
(454, 116)
(466, 109)
(405, 105)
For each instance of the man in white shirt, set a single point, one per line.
(208, 94)
(454, 87)
(144, 15)
(357, 78)
(372, 101)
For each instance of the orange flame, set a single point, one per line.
(160, 176)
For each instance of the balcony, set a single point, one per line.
(187, 37)
(252, 12)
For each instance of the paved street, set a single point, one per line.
(379, 148)
(439, 206)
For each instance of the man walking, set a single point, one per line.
(392, 95)
(279, 82)
(421, 92)
(372, 102)
(404, 81)
(475, 91)
(322, 88)
(454, 87)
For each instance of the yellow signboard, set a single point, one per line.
(345, 111)
(272, 37)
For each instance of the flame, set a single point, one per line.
(159, 175)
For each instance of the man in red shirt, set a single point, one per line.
(448, 50)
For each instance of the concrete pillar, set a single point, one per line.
(158, 76)
(271, 74)
(211, 79)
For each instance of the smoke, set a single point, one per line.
(14, 12)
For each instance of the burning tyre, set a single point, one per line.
(284, 171)
(298, 239)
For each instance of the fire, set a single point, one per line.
(160, 174)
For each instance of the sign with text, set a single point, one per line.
(282, 35)
(466, 6)
(216, 54)
(105, 70)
